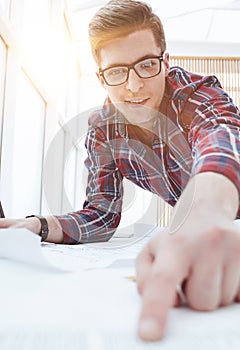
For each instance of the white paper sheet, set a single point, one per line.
(99, 255)
(97, 309)
(94, 310)
(23, 246)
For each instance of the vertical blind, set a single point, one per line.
(227, 69)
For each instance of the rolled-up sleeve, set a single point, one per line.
(215, 137)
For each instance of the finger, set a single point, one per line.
(177, 300)
(143, 266)
(238, 294)
(230, 284)
(203, 288)
(158, 296)
(5, 223)
(237, 224)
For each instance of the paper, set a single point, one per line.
(99, 255)
(97, 309)
(22, 245)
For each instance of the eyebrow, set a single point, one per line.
(118, 64)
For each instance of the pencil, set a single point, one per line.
(131, 278)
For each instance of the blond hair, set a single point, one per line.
(119, 18)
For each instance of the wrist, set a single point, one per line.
(33, 224)
(215, 192)
(40, 225)
(208, 197)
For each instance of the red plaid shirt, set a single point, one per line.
(197, 130)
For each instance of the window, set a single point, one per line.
(38, 65)
(5, 8)
(3, 53)
(22, 164)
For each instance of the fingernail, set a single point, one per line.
(149, 329)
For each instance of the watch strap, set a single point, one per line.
(44, 226)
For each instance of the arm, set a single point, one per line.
(55, 233)
(101, 214)
(201, 247)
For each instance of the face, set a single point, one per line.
(137, 99)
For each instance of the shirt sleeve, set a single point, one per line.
(101, 213)
(215, 136)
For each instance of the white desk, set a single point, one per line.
(97, 309)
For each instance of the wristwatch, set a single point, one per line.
(44, 226)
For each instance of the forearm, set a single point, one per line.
(84, 226)
(207, 195)
(215, 190)
(88, 225)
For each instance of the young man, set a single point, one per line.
(176, 134)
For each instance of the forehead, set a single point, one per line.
(130, 48)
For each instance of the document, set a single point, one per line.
(97, 309)
(24, 246)
(95, 305)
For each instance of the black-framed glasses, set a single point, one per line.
(119, 74)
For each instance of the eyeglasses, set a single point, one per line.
(147, 68)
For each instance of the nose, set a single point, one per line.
(134, 82)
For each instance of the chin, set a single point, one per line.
(146, 124)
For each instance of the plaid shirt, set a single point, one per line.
(197, 130)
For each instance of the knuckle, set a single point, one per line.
(214, 237)
(163, 276)
(179, 239)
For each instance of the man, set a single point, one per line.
(176, 134)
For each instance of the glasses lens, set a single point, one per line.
(116, 75)
(145, 69)
(148, 68)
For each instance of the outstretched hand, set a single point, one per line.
(201, 253)
(208, 265)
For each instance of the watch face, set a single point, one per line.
(44, 228)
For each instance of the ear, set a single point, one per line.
(100, 78)
(166, 63)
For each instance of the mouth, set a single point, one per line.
(136, 101)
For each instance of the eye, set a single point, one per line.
(148, 64)
(113, 72)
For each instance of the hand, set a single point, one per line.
(202, 252)
(208, 263)
(32, 224)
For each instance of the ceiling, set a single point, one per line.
(187, 21)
